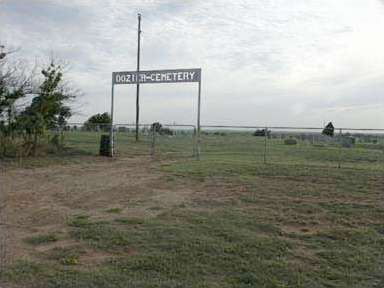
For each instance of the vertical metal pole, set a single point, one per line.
(137, 76)
(111, 136)
(265, 145)
(340, 148)
(198, 144)
(194, 142)
(153, 141)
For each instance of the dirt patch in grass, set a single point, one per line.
(130, 217)
(40, 201)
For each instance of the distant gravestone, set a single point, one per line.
(105, 146)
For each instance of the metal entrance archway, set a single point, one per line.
(153, 77)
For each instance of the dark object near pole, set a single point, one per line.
(262, 132)
(105, 148)
(329, 130)
(156, 127)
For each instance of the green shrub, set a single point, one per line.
(79, 221)
(114, 210)
(41, 239)
(166, 131)
(218, 133)
(55, 140)
(70, 261)
(290, 141)
(348, 142)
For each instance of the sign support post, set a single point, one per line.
(198, 123)
(111, 134)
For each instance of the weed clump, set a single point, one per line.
(41, 239)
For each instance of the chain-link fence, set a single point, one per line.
(160, 140)
(296, 145)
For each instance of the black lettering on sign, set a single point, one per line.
(157, 76)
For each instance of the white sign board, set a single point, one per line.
(157, 76)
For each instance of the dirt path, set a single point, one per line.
(40, 200)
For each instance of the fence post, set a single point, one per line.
(340, 148)
(198, 146)
(265, 145)
(153, 142)
(194, 142)
(111, 135)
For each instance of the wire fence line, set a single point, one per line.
(271, 144)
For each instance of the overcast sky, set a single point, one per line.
(264, 62)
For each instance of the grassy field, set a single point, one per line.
(229, 220)
(238, 146)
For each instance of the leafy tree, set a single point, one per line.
(156, 127)
(49, 108)
(98, 121)
(14, 85)
(8, 98)
(262, 132)
(329, 130)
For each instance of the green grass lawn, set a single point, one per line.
(295, 221)
(236, 146)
